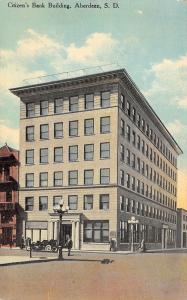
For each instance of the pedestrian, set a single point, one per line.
(112, 245)
(22, 242)
(69, 245)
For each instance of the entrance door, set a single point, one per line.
(66, 232)
(6, 235)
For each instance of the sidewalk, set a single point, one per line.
(15, 260)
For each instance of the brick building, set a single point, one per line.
(9, 164)
(96, 142)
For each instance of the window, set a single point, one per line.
(44, 131)
(104, 150)
(128, 180)
(89, 101)
(138, 186)
(88, 177)
(56, 201)
(142, 188)
(73, 177)
(138, 142)
(128, 156)
(133, 183)
(134, 138)
(133, 160)
(122, 152)
(29, 179)
(29, 133)
(88, 152)
(44, 108)
(143, 167)
(128, 205)
(122, 203)
(30, 110)
(104, 202)
(104, 176)
(58, 154)
(74, 103)
(138, 120)
(122, 101)
(44, 179)
(143, 124)
(122, 177)
(43, 203)
(73, 153)
(29, 157)
(122, 127)
(88, 202)
(58, 178)
(58, 130)
(44, 155)
(134, 115)
(138, 164)
(128, 108)
(128, 132)
(88, 126)
(73, 128)
(29, 203)
(105, 99)
(147, 130)
(96, 231)
(58, 106)
(143, 146)
(8, 196)
(105, 124)
(147, 150)
(73, 202)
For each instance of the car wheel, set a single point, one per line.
(48, 248)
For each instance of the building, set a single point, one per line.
(181, 228)
(9, 164)
(96, 142)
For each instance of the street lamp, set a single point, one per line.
(132, 221)
(60, 210)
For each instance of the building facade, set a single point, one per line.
(9, 165)
(96, 142)
(181, 228)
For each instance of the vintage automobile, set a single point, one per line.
(44, 245)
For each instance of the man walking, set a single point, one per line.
(69, 245)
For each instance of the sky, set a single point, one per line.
(146, 37)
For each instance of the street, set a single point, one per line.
(84, 276)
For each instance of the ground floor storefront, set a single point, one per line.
(92, 234)
(8, 235)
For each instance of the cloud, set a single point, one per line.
(169, 83)
(139, 12)
(8, 134)
(178, 130)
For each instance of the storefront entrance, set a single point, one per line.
(66, 232)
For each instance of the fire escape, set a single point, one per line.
(8, 195)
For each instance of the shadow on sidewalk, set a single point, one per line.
(45, 260)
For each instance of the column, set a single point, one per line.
(166, 238)
(73, 234)
(56, 231)
(23, 229)
(163, 238)
(77, 235)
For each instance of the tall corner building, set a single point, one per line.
(95, 142)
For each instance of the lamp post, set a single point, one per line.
(132, 221)
(60, 210)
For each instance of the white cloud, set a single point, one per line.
(179, 131)
(170, 81)
(139, 12)
(8, 134)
